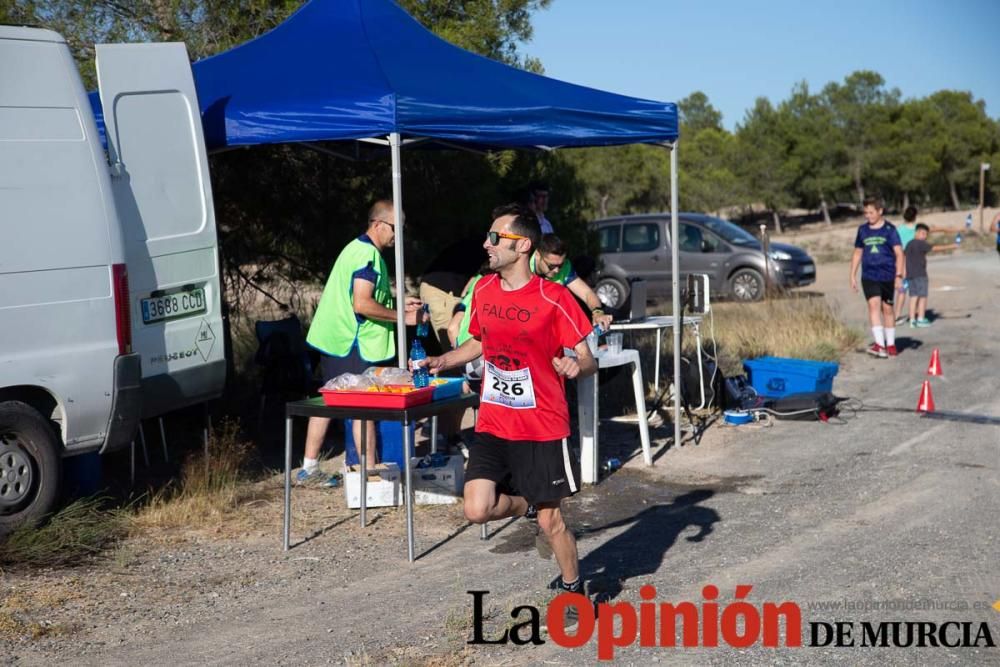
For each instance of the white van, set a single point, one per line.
(110, 305)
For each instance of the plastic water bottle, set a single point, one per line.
(423, 329)
(958, 237)
(421, 378)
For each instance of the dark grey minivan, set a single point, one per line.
(638, 246)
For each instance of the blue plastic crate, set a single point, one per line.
(389, 436)
(452, 388)
(775, 377)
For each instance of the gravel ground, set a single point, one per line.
(888, 506)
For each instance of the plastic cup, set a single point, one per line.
(614, 343)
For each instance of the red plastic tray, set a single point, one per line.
(377, 399)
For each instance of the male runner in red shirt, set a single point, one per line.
(520, 324)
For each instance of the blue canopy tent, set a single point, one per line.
(366, 70)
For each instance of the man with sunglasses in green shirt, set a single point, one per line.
(550, 262)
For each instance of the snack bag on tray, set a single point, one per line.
(350, 382)
(389, 375)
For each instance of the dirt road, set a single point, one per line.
(888, 516)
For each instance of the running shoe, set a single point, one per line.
(891, 350)
(531, 514)
(314, 477)
(922, 323)
(901, 319)
(913, 324)
(571, 618)
(877, 350)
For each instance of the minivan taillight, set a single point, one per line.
(123, 322)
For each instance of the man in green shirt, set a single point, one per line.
(354, 324)
(550, 262)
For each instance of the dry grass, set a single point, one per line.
(210, 494)
(797, 326)
(826, 250)
(800, 327)
(972, 241)
(78, 531)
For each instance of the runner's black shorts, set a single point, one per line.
(540, 472)
(884, 289)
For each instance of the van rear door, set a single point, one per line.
(163, 193)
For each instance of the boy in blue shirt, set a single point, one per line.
(879, 252)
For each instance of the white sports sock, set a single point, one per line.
(890, 336)
(879, 334)
(309, 464)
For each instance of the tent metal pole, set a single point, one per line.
(676, 292)
(397, 210)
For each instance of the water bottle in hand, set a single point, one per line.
(423, 327)
(418, 357)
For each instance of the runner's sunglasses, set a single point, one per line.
(494, 237)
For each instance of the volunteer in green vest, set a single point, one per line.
(458, 328)
(354, 326)
(550, 262)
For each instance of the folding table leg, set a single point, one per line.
(434, 434)
(484, 532)
(142, 441)
(163, 439)
(407, 444)
(288, 480)
(363, 464)
(587, 408)
(640, 406)
(656, 363)
(206, 432)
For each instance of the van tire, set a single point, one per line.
(611, 292)
(746, 285)
(30, 466)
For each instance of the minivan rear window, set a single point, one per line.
(640, 236)
(610, 238)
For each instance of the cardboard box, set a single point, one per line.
(383, 490)
(439, 485)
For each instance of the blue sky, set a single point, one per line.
(737, 51)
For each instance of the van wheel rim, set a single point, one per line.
(609, 296)
(746, 287)
(15, 472)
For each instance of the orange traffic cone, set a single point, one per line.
(934, 368)
(926, 401)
